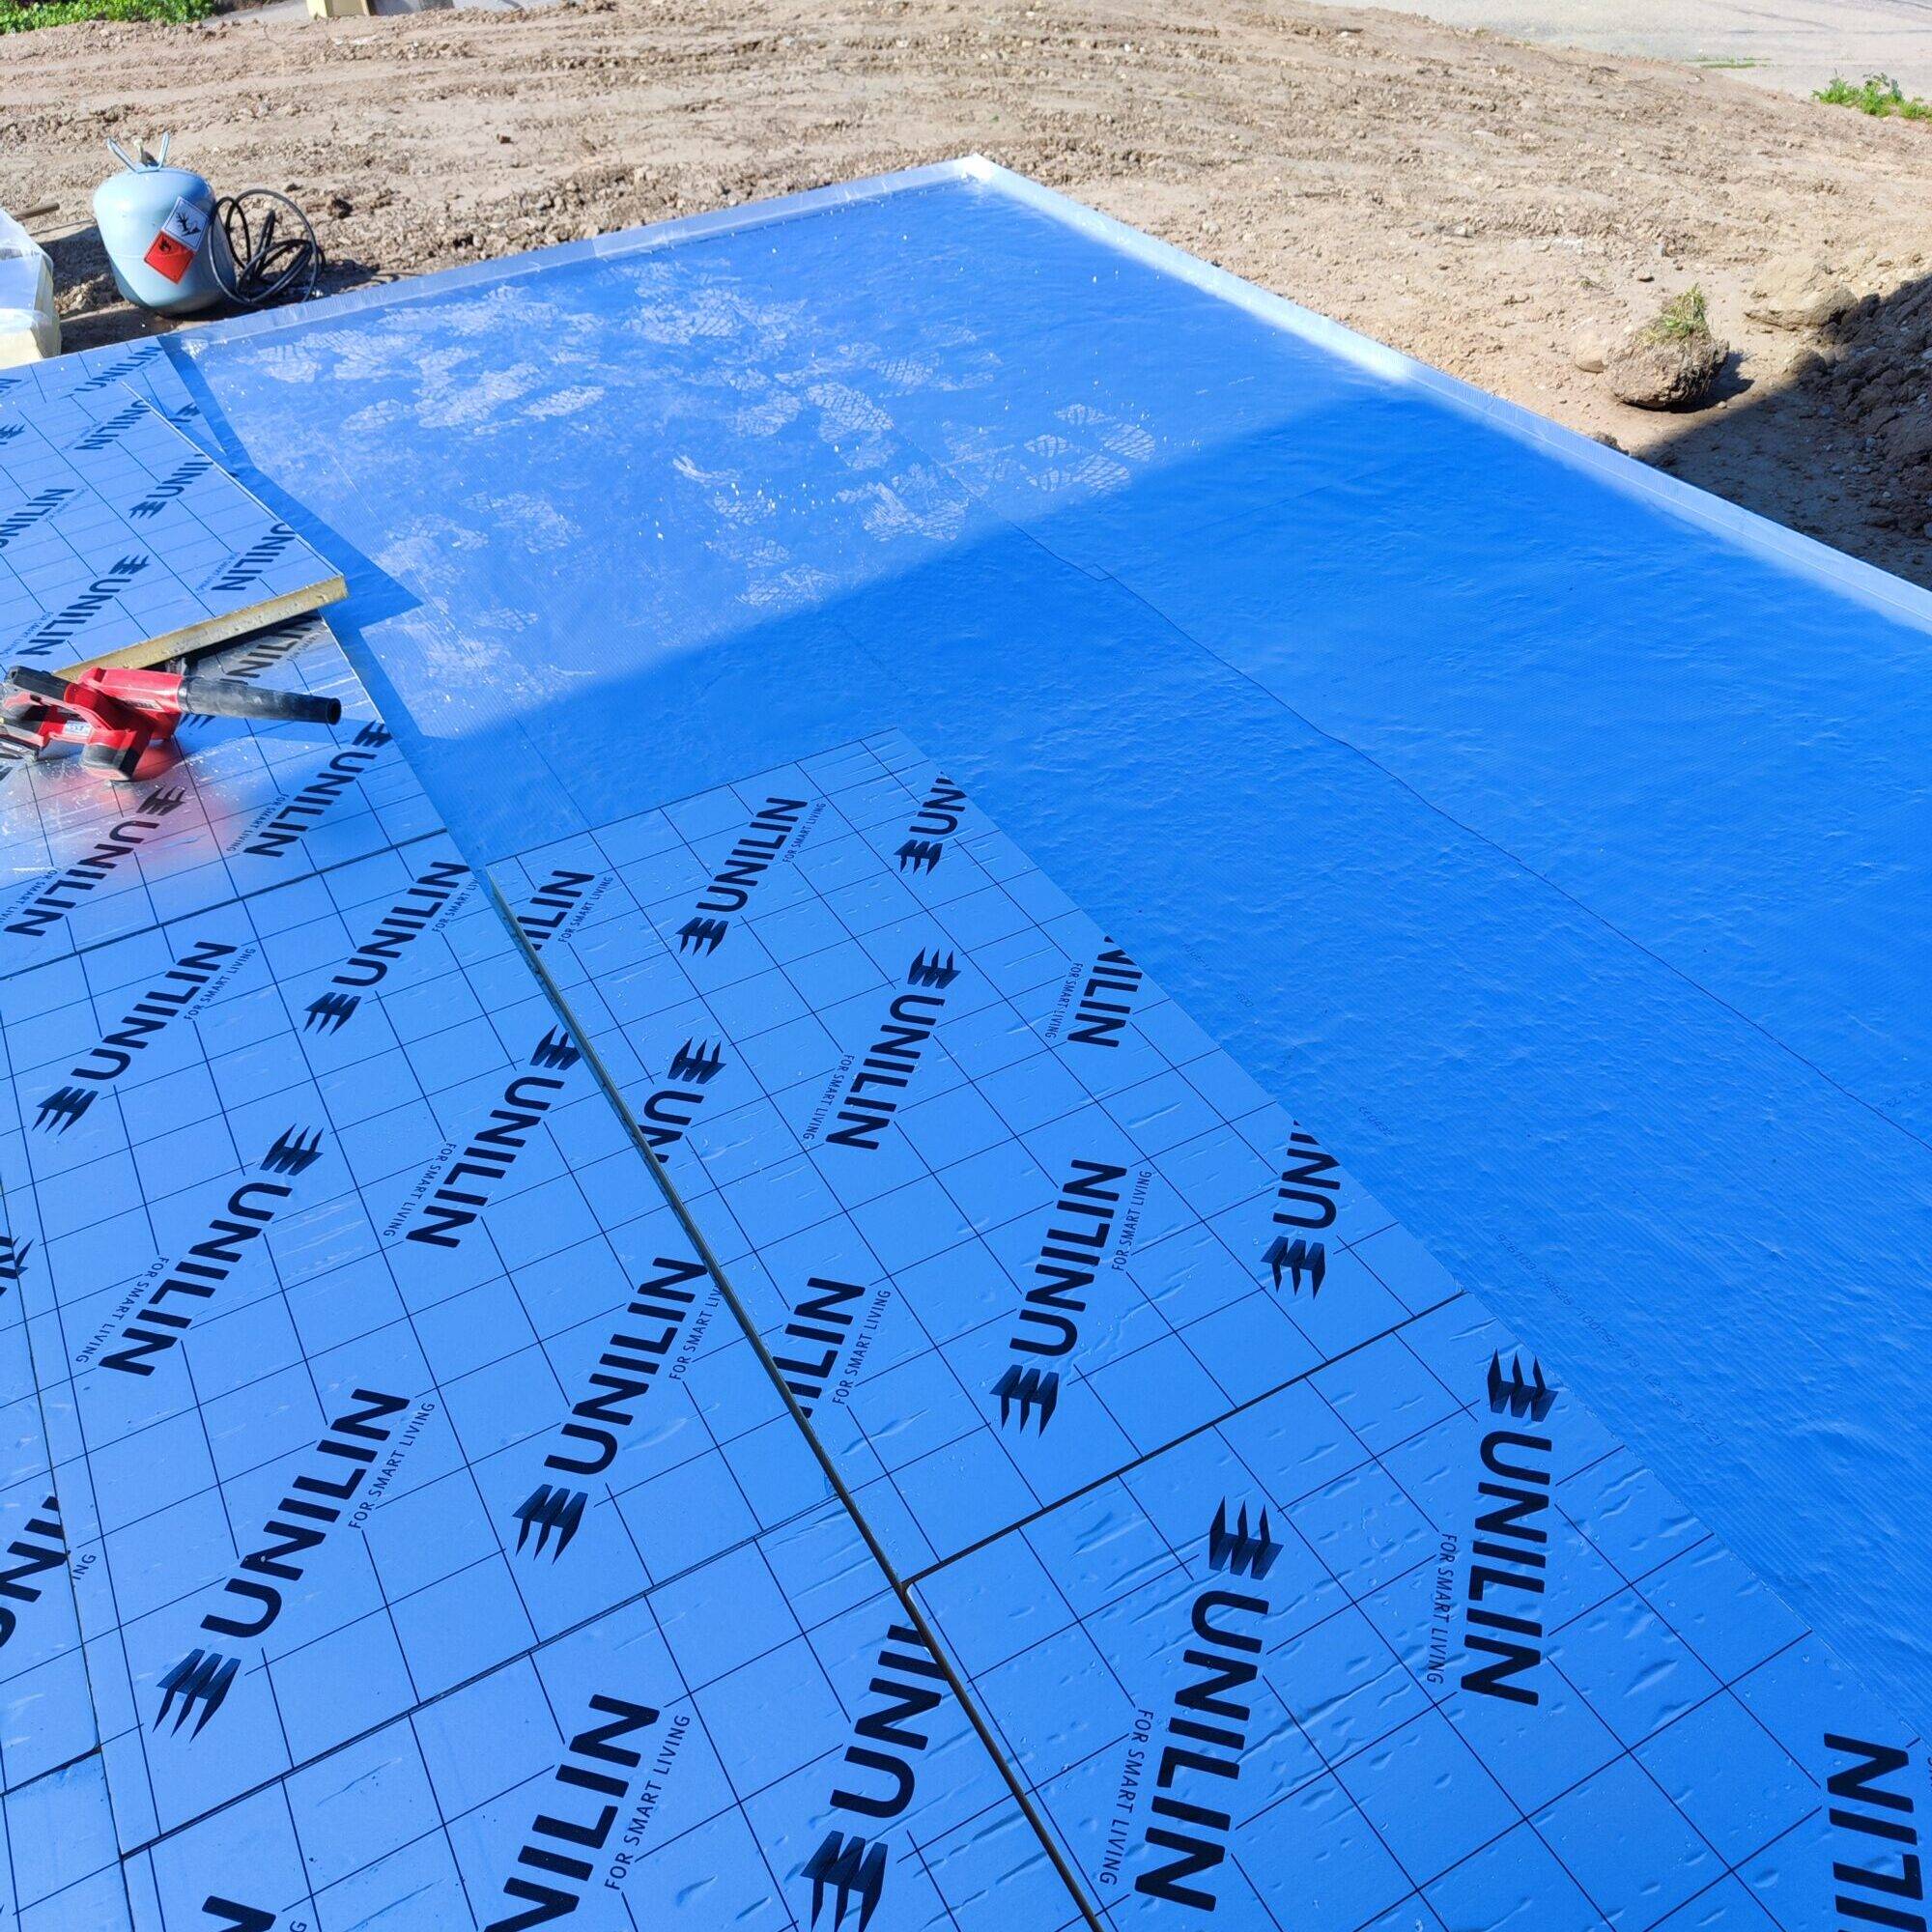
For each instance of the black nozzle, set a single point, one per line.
(232, 697)
(38, 683)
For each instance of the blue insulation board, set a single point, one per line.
(1549, 831)
(1007, 1219)
(1093, 823)
(102, 381)
(118, 534)
(413, 1477)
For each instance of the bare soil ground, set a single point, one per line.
(1478, 203)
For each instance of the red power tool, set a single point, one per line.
(115, 715)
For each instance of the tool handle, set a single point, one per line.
(231, 697)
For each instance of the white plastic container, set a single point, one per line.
(29, 328)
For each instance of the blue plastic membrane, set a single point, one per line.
(390, 1403)
(827, 562)
(1550, 831)
(1296, 1589)
(115, 530)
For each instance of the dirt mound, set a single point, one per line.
(1873, 370)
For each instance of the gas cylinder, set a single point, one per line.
(157, 224)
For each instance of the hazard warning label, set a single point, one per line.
(177, 241)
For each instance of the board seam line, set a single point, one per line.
(902, 1588)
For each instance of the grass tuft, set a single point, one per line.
(1878, 95)
(1681, 316)
(16, 18)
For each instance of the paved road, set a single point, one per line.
(1792, 45)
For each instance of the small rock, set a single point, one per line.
(1608, 442)
(1674, 372)
(1590, 353)
(1909, 441)
(1799, 295)
(340, 205)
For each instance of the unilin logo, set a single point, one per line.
(41, 503)
(1305, 1200)
(54, 902)
(194, 1279)
(199, 1684)
(176, 483)
(596, 1763)
(266, 648)
(1232, 1548)
(894, 1056)
(667, 1113)
(1883, 1834)
(41, 1546)
(847, 1868)
(730, 887)
(12, 1260)
(630, 1362)
(117, 371)
(1029, 1393)
(1207, 1729)
(552, 905)
(109, 430)
(300, 812)
(936, 822)
(64, 625)
(1517, 1394)
(1509, 1554)
(369, 964)
(1106, 999)
(103, 1064)
(1077, 1234)
(822, 1321)
(462, 1193)
(243, 572)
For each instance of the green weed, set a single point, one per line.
(1680, 316)
(1878, 95)
(15, 18)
